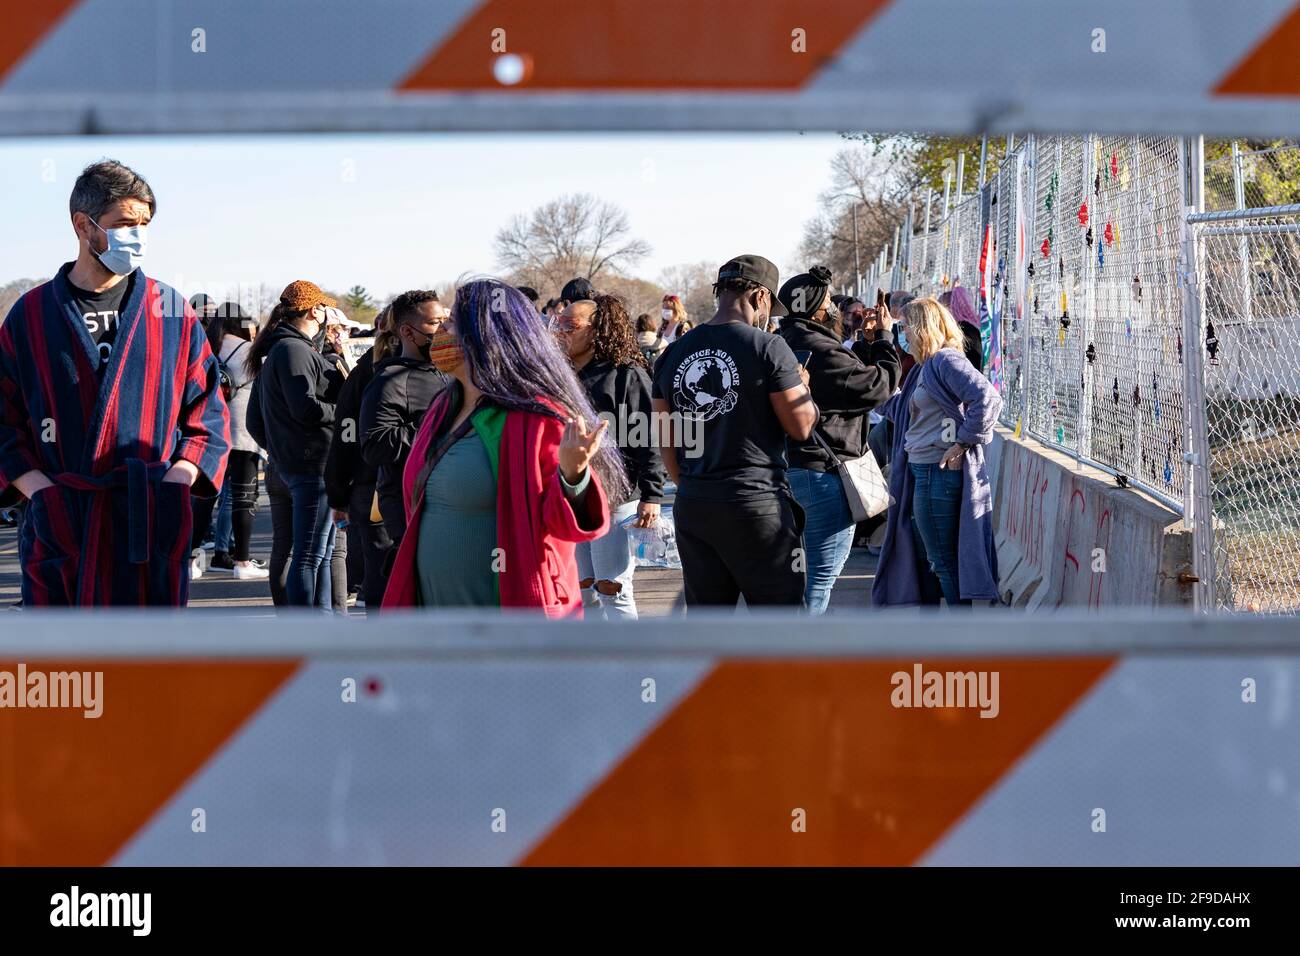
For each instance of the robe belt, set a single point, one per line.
(136, 475)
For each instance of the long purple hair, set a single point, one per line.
(962, 308)
(515, 360)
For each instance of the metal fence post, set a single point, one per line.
(1083, 428)
(1243, 244)
(925, 240)
(1197, 508)
(894, 282)
(1028, 182)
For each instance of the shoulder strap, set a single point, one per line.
(821, 442)
(226, 363)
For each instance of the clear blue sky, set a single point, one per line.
(394, 212)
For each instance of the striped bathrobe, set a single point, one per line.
(109, 532)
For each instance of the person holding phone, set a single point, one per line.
(846, 383)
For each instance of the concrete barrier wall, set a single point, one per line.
(1069, 536)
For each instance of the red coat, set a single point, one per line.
(536, 525)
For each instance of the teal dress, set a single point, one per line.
(456, 563)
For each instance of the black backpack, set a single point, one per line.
(225, 379)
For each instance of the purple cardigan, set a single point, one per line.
(966, 396)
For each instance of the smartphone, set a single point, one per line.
(880, 298)
(802, 356)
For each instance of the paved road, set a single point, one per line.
(658, 592)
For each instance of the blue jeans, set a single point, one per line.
(609, 559)
(936, 509)
(221, 525)
(827, 535)
(309, 583)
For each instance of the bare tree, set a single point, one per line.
(259, 300)
(866, 185)
(638, 295)
(575, 235)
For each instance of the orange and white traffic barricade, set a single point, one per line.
(1141, 739)
(951, 66)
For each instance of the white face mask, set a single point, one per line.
(667, 314)
(125, 249)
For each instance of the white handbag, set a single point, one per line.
(864, 486)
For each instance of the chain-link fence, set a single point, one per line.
(1090, 358)
(1238, 178)
(1182, 379)
(1248, 274)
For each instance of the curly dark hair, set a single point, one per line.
(613, 338)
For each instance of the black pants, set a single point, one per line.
(375, 545)
(356, 556)
(752, 547)
(241, 474)
(281, 535)
(203, 509)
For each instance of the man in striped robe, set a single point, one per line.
(111, 414)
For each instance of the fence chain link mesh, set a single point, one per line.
(1249, 277)
(1092, 347)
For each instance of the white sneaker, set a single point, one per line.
(250, 572)
(196, 564)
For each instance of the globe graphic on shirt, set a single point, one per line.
(705, 385)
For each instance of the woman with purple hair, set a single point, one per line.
(958, 302)
(505, 476)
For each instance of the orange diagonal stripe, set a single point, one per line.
(718, 781)
(23, 23)
(1272, 67)
(632, 45)
(73, 790)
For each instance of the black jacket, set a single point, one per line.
(291, 409)
(392, 409)
(972, 344)
(344, 466)
(845, 385)
(623, 391)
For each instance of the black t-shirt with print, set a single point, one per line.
(720, 377)
(101, 311)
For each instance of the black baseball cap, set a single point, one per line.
(755, 269)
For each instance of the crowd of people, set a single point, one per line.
(490, 449)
